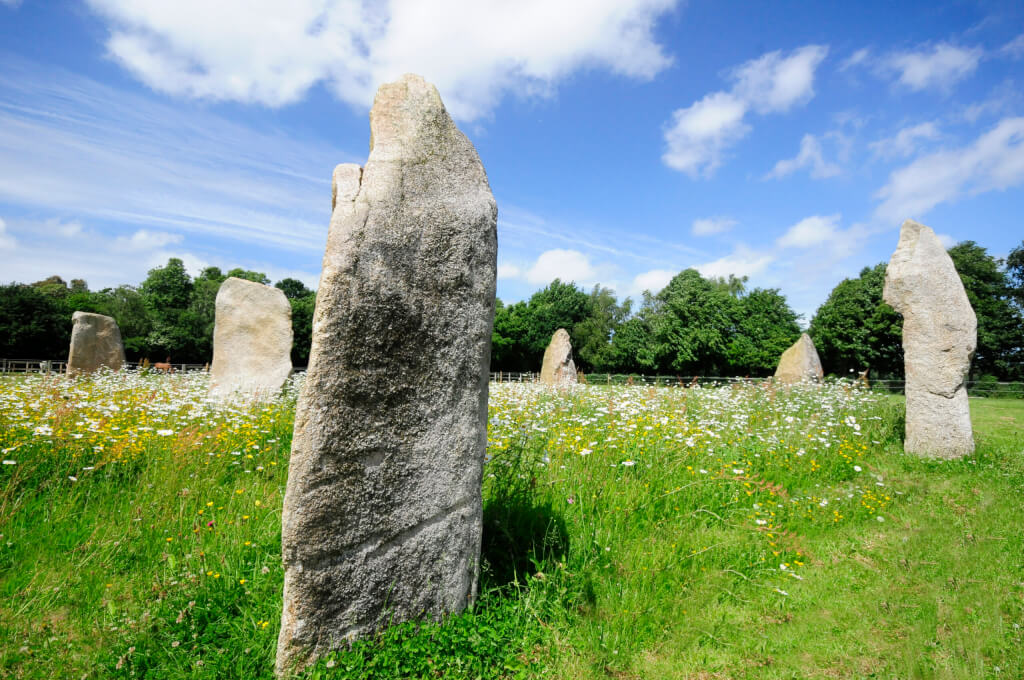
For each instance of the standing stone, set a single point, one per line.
(939, 339)
(252, 340)
(558, 367)
(382, 514)
(95, 343)
(800, 362)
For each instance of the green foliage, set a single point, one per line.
(765, 327)
(33, 324)
(302, 327)
(692, 325)
(1000, 323)
(854, 329)
(293, 288)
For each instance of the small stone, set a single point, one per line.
(252, 340)
(939, 338)
(800, 362)
(95, 344)
(558, 367)
(383, 513)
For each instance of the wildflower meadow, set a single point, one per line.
(718, 531)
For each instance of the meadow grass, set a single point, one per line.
(630, 532)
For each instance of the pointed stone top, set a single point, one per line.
(408, 109)
(921, 268)
(800, 362)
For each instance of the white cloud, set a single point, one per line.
(938, 67)
(7, 241)
(905, 142)
(859, 57)
(509, 271)
(144, 239)
(810, 155)
(1015, 48)
(102, 261)
(994, 161)
(567, 265)
(653, 281)
(946, 240)
(810, 231)
(775, 84)
(73, 146)
(473, 50)
(743, 261)
(706, 226)
(699, 134)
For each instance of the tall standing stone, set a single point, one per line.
(252, 339)
(95, 344)
(558, 367)
(939, 339)
(382, 513)
(800, 362)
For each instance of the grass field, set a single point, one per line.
(631, 532)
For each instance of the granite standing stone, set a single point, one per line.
(252, 340)
(95, 344)
(800, 362)
(558, 367)
(382, 514)
(939, 339)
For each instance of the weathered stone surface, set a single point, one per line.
(95, 343)
(382, 514)
(800, 362)
(558, 367)
(939, 339)
(252, 340)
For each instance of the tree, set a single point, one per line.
(33, 324)
(293, 288)
(592, 336)
(854, 329)
(127, 306)
(559, 305)
(1015, 272)
(508, 340)
(302, 327)
(167, 293)
(765, 326)
(1000, 323)
(691, 325)
(249, 275)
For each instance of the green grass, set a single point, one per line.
(594, 569)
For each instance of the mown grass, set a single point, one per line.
(630, 533)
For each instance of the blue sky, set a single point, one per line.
(624, 140)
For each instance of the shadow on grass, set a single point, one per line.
(519, 536)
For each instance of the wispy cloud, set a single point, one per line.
(476, 52)
(70, 144)
(699, 134)
(994, 161)
(937, 67)
(810, 156)
(708, 226)
(905, 142)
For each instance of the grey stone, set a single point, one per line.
(95, 344)
(939, 339)
(558, 367)
(382, 514)
(252, 340)
(800, 362)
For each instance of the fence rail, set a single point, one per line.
(975, 388)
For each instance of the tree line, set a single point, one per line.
(696, 325)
